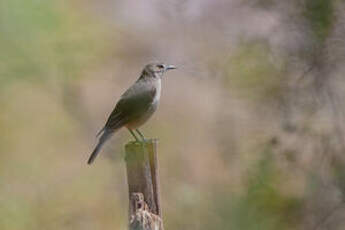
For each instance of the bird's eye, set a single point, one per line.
(161, 66)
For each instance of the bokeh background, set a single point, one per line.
(251, 125)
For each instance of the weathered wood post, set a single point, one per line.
(143, 186)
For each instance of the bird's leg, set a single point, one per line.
(141, 135)
(136, 138)
(143, 143)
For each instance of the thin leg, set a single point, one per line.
(141, 135)
(137, 139)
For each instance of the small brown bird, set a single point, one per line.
(135, 106)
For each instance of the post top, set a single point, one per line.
(147, 142)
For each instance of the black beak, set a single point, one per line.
(169, 67)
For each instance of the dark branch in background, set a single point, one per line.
(313, 92)
(328, 215)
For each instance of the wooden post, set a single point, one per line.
(143, 186)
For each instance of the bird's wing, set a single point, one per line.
(133, 103)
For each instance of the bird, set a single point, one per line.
(135, 106)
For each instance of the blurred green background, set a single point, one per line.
(251, 126)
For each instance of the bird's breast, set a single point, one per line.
(141, 118)
(157, 95)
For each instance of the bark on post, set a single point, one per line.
(143, 186)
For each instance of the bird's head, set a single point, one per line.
(156, 70)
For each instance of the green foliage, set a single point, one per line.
(320, 16)
(262, 206)
(338, 171)
(252, 71)
(16, 213)
(44, 45)
(266, 4)
(45, 40)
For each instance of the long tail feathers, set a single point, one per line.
(105, 136)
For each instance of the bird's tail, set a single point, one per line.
(105, 136)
